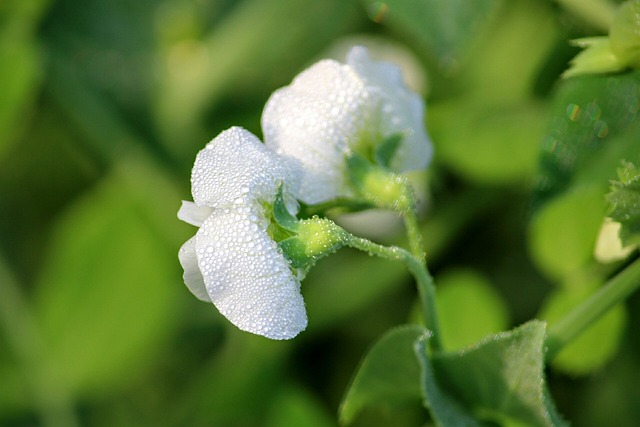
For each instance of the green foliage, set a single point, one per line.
(446, 28)
(594, 347)
(564, 231)
(469, 308)
(388, 373)
(500, 378)
(103, 105)
(21, 72)
(591, 116)
(101, 318)
(624, 200)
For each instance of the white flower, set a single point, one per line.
(232, 260)
(332, 109)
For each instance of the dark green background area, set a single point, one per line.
(103, 107)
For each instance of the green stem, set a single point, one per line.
(412, 226)
(24, 339)
(418, 268)
(581, 317)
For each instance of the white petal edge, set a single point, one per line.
(192, 276)
(246, 276)
(193, 214)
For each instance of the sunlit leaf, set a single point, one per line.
(488, 144)
(563, 233)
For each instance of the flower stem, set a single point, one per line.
(418, 268)
(414, 233)
(580, 318)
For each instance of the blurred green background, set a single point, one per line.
(103, 106)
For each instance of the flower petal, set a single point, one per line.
(193, 214)
(192, 276)
(235, 168)
(246, 276)
(311, 123)
(401, 109)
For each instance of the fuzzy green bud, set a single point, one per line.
(315, 238)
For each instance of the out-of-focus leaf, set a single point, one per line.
(295, 407)
(107, 295)
(596, 345)
(588, 114)
(500, 378)
(469, 308)
(197, 73)
(355, 280)
(447, 27)
(624, 200)
(494, 145)
(563, 233)
(21, 71)
(388, 373)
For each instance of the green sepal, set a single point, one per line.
(282, 215)
(379, 186)
(385, 151)
(624, 200)
(315, 238)
(596, 58)
(625, 34)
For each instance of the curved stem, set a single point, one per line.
(419, 270)
(414, 234)
(580, 318)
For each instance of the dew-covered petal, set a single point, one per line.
(193, 214)
(400, 111)
(236, 168)
(312, 123)
(192, 275)
(246, 277)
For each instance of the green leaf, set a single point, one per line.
(444, 410)
(595, 346)
(107, 296)
(295, 407)
(624, 200)
(493, 145)
(446, 27)
(21, 71)
(388, 373)
(501, 378)
(563, 233)
(469, 308)
(590, 116)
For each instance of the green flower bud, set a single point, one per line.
(625, 34)
(618, 51)
(315, 238)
